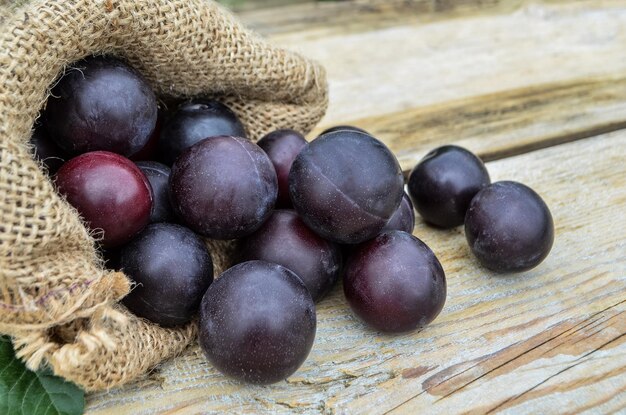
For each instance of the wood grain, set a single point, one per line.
(498, 83)
(505, 123)
(546, 340)
(320, 18)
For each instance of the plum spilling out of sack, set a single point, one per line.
(223, 187)
(101, 104)
(509, 227)
(194, 121)
(172, 270)
(443, 184)
(345, 185)
(395, 283)
(257, 322)
(110, 193)
(285, 240)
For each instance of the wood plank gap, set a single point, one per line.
(553, 141)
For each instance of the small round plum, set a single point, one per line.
(109, 192)
(46, 151)
(443, 184)
(282, 147)
(345, 185)
(404, 217)
(257, 322)
(158, 175)
(509, 227)
(285, 240)
(172, 270)
(194, 121)
(223, 187)
(395, 283)
(101, 104)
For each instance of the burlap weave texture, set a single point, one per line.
(56, 299)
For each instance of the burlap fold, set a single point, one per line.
(56, 299)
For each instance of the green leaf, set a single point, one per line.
(23, 392)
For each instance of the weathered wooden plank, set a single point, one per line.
(320, 18)
(505, 123)
(551, 339)
(498, 83)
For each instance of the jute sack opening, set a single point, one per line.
(56, 300)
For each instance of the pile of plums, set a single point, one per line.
(152, 184)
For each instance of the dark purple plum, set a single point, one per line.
(404, 217)
(223, 187)
(257, 322)
(194, 121)
(395, 283)
(46, 151)
(172, 270)
(282, 147)
(345, 185)
(158, 175)
(101, 104)
(285, 240)
(443, 184)
(344, 128)
(109, 192)
(509, 227)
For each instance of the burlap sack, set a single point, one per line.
(56, 299)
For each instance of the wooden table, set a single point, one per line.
(538, 90)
